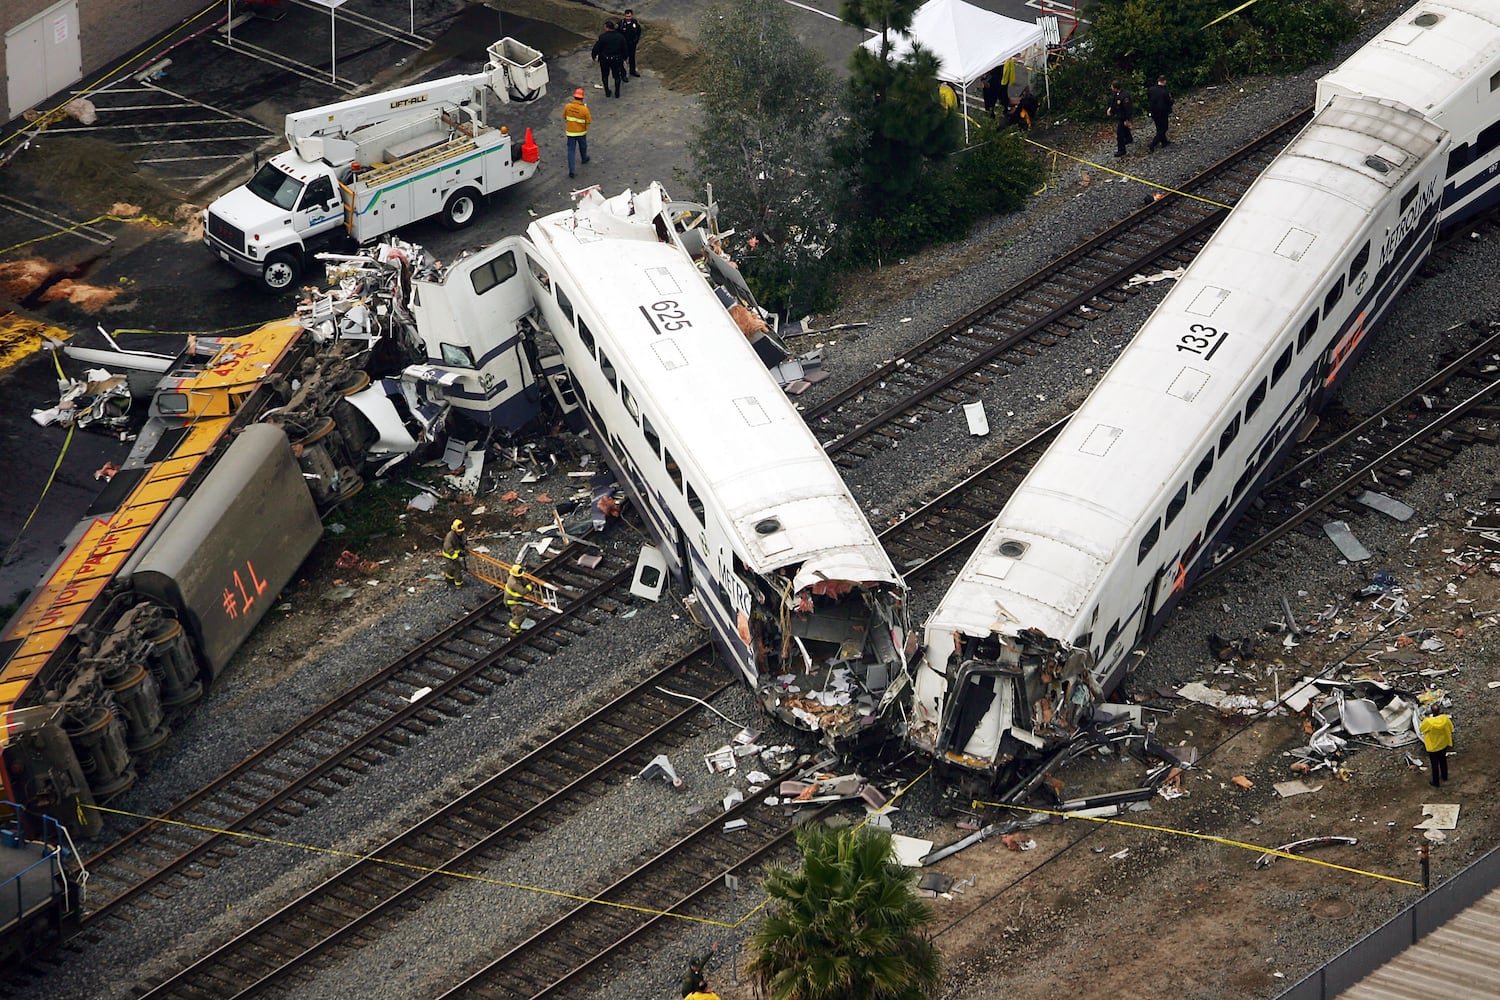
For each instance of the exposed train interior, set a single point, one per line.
(1008, 696)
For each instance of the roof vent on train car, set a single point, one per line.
(768, 526)
(1012, 549)
(1378, 165)
(1426, 19)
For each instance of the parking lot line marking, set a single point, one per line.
(180, 159)
(61, 223)
(270, 58)
(216, 110)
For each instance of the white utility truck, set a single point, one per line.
(363, 167)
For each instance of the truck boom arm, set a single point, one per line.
(514, 72)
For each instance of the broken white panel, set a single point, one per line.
(1348, 546)
(1299, 697)
(1286, 789)
(455, 454)
(1387, 505)
(468, 480)
(1202, 694)
(1360, 717)
(423, 501)
(910, 851)
(979, 424)
(1439, 817)
(650, 574)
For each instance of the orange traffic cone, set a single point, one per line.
(529, 151)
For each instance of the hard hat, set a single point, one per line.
(578, 93)
(516, 570)
(457, 525)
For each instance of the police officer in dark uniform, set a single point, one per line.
(610, 49)
(1120, 110)
(631, 29)
(1159, 104)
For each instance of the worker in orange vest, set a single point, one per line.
(576, 121)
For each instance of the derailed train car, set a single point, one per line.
(667, 361)
(1127, 507)
(175, 562)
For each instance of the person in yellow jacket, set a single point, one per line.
(517, 587)
(576, 122)
(1437, 737)
(455, 554)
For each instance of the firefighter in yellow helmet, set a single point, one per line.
(517, 587)
(455, 554)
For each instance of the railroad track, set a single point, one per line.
(1419, 432)
(377, 719)
(951, 366)
(538, 791)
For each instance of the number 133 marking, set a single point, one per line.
(1202, 340)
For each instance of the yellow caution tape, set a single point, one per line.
(147, 219)
(1228, 13)
(1204, 836)
(424, 869)
(900, 792)
(1132, 177)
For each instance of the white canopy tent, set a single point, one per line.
(969, 41)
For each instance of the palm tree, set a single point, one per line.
(845, 925)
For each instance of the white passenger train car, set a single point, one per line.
(1102, 536)
(1441, 57)
(748, 511)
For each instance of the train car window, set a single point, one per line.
(695, 504)
(567, 305)
(1227, 438)
(1282, 364)
(1487, 140)
(1175, 505)
(1257, 397)
(586, 335)
(1218, 515)
(673, 469)
(1306, 333)
(493, 272)
(1112, 634)
(631, 406)
(1244, 481)
(457, 356)
(1204, 468)
(1494, 82)
(1147, 544)
(594, 412)
(652, 438)
(1082, 642)
(1332, 298)
(1461, 157)
(1360, 260)
(608, 368)
(539, 273)
(577, 390)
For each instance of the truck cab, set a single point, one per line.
(270, 226)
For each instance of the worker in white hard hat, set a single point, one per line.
(455, 554)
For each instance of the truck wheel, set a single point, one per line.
(282, 270)
(462, 206)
